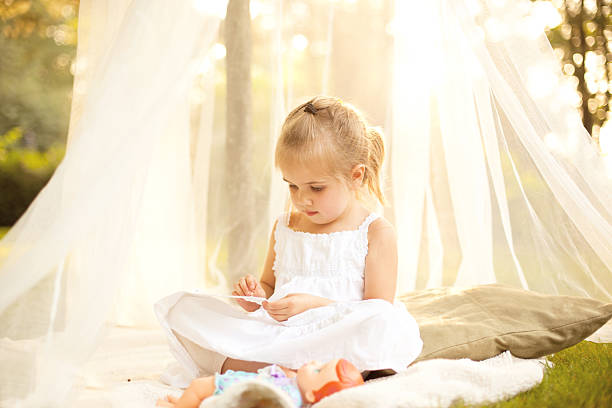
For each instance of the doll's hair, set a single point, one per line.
(348, 376)
(334, 135)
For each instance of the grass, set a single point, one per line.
(581, 377)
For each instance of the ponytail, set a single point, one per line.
(376, 154)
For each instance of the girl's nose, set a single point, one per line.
(305, 199)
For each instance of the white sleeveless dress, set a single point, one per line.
(372, 334)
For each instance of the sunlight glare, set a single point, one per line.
(605, 138)
(259, 8)
(215, 8)
(79, 66)
(218, 51)
(391, 28)
(552, 141)
(474, 7)
(498, 3)
(541, 81)
(567, 91)
(542, 16)
(267, 22)
(546, 14)
(605, 144)
(530, 27)
(495, 29)
(590, 6)
(299, 42)
(204, 65)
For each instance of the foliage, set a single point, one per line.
(582, 42)
(37, 51)
(37, 43)
(23, 173)
(580, 376)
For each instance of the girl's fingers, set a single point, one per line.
(279, 317)
(275, 306)
(251, 282)
(244, 287)
(238, 290)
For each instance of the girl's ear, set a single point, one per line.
(357, 175)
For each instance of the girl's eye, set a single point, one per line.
(317, 188)
(292, 186)
(317, 370)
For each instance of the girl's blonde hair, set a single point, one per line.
(330, 133)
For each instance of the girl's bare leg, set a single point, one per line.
(251, 366)
(242, 365)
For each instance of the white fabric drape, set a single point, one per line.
(491, 176)
(115, 228)
(494, 177)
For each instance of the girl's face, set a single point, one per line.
(322, 198)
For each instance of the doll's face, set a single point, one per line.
(314, 375)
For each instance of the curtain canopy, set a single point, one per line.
(490, 175)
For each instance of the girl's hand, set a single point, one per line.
(293, 304)
(248, 286)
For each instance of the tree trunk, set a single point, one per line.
(577, 46)
(239, 141)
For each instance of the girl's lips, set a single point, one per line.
(311, 213)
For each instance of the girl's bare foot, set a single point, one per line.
(165, 402)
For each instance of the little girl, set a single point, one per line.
(330, 271)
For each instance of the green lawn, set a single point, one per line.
(581, 377)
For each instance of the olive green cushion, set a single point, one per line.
(483, 321)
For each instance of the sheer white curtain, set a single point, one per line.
(494, 177)
(490, 178)
(115, 228)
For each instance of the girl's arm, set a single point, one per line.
(267, 279)
(381, 262)
(249, 286)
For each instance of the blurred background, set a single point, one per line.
(38, 41)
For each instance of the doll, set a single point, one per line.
(312, 382)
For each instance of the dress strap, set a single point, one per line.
(369, 219)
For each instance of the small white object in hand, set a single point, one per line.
(254, 299)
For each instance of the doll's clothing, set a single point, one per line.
(272, 374)
(372, 334)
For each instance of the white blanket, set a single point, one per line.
(433, 383)
(125, 371)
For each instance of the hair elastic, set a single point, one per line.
(310, 108)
